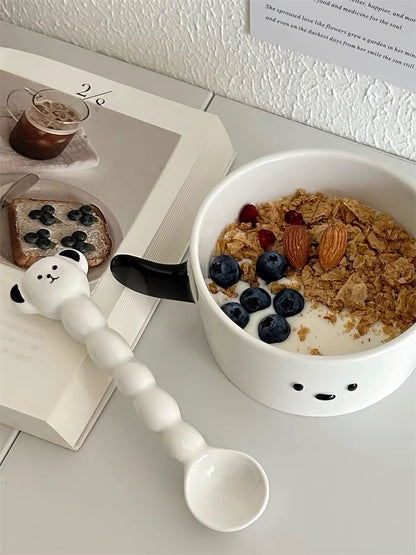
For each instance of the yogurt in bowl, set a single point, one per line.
(289, 380)
(355, 266)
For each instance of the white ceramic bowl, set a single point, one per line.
(266, 372)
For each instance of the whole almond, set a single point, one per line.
(332, 246)
(296, 245)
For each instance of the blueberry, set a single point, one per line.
(74, 215)
(273, 329)
(47, 209)
(86, 209)
(255, 298)
(237, 313)
(288, 302)
(35, 214)
(43, 243)
(80, 246)
(224, 270)
(47, 219)
(79, 235)
(271, 266)
(87, 219)
(44, 233)
(68, 241)
(31, 238)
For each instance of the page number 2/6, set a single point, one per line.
(84, 93)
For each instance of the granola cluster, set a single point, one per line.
(376, 279)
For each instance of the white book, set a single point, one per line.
(158, 160)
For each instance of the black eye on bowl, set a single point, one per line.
(297, 386)
(54, 267)
(39, 277)
(352, 386)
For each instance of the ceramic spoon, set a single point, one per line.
(225, 490)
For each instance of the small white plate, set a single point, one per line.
(56, 190)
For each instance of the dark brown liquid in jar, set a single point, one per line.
(35, 142)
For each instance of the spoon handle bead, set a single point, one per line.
(182, 441)
(157, 408)
(81, 317)
(107, 348)
(132, 378)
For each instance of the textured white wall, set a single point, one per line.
(207, 43)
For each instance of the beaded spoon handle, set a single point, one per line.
(225, 490)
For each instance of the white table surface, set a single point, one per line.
(338, 485)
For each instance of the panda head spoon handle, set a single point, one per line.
(225, 490)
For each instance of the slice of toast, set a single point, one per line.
(97, 243)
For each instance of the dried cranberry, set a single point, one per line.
(294, 218)
(266, 238)
(248, 214)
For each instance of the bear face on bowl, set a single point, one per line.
(289, 381)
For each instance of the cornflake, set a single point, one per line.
(303, 332)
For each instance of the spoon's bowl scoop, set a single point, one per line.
(226, 490)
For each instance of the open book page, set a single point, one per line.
(37, 356)
(132, 154)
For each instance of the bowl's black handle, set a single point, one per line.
(164, 281)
